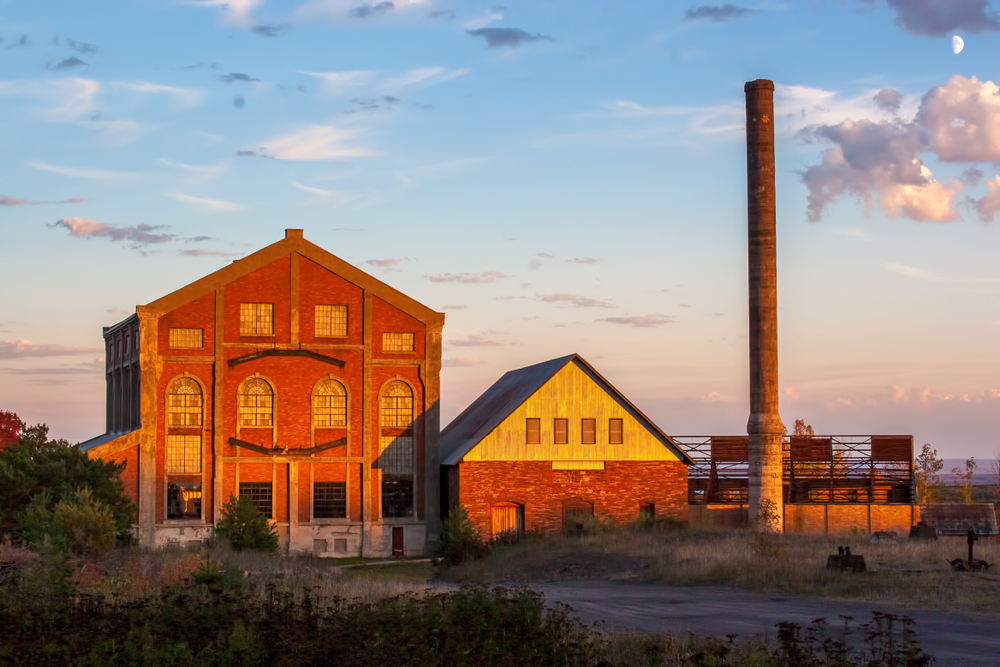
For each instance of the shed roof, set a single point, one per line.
(957, 518)
(515, 387)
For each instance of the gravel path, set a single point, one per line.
(953, 640)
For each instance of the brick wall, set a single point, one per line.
(615, 492)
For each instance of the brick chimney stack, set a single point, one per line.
(764, 427)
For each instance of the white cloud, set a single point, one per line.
(350, 10)
(962, 120)
(640, 321)
(336, 83)
(209, 205)
(851, 232)
(314, 142)
(936, 276)
(17, 349)
(989, 204)
(89, 174)
(327, 196)
(575, 300)
(424, 75)
(468, 278)
(339, 82)
(186, 96)
(72, 97)
(200, 172)
(234, 12)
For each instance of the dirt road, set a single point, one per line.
(957, 641)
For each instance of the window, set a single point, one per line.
(331, 320)
(128, 343)
(184, 500)
(615, 431)
(396, 454)
(330, 500)
(184, 454)
(507, 518)
(259, 493)
(561, 428)
(256, 319)
(397, 405)
(575, 513)
(588, 431)
(647, 510)
(136, 338)
(397, 342)
(256, 403)
(397, 498)
(329, 405)
(533, 431)
(189, 339)
(184, 403)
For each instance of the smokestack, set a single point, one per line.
(764, 427)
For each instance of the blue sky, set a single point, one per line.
(557, 177)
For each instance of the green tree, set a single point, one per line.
(81, 525)
(802, 428)
(460, 539)
(36, 470)
(965, 479)
(245, 527)
(926, 466)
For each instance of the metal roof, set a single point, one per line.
(957, 518)
(515, 387)
(101, 439)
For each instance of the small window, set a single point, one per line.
(397, 498)
(136, 338)
(183, 454)
(615, 431)
(397, 405)
(396, 454)
(256, 403)
(561, 429)
(533, 431)
(331, 320)
(188, 339)
(259, 493)
(507, 518)
(330, 500)
(397, 342)
(256, 319)
(128, 343)
(330, 405)
(588, 431)
(184, 500)
(647, 511)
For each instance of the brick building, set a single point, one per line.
(550, 442)
(292, 378)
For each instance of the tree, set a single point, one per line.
(927, 465)
(965, 479)
(36, 469)
(802, 428)
(10, 426)
(460, 539)
(995, 469)
(245, 527)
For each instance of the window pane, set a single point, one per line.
(330, 500)
(183, 454)
(259, 494)
(186, 338)
(397, 342)
(561, 428)
(507, 519)
(397, 498)
(397, 405)
(533, 428)
(615, 431)
(184, 500)
(329, 405)
(647, 510)
(331, 320)
(256, 403)
(589, 431)
(396, 455)
(184, 403)
(256, 319)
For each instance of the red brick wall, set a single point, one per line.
(269, 284)
(199, 314)
(615, 492)
(129, 476)
(317, 286)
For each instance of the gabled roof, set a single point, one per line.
(295, 243)
(509, 392)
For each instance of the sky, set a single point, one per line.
(556, 177)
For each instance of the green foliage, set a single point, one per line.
(213, 575)
(38, 470)
(665, 524)
(82, 525)
(927, 465)
(244, 527)
(460, 539)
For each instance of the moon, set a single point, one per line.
(957, 44)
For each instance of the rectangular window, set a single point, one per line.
(331, 320)
(256, 319)
(507, 518)
(561, 428)
(615, 432)
(184, 500)
(533, 431)
(588, 431)
(184, 454)
(396, 455)
(330, 500)
(647, 511)
(187, 339)
(397, 342)
(397, 498)
(259, 494)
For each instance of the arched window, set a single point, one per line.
(396, 449)
(184, 405)
(256, 403)
(329, 405)
(397, 405)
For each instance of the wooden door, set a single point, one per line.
(397, 540)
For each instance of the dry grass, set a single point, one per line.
(909, 574)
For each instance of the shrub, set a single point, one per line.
(245, 528)
(82, 525)
(460, 539)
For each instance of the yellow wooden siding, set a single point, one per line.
(571, 394)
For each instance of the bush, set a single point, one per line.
(244, 527)
(82, 525)
(460, 539)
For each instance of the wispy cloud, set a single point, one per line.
(369, 11)
(337, 83)
(718, 13)
(327, 196)
(238, 77)
(137, 235)
(209, 205)
(640, 321)
(459, 362)
(19, 349)
(510, 37)
(186, 96)
(11, 201)
(201, 172)
(388, 263)
(583, 260)
(456, 307)
(71, 62)
(477, 340)
(310, 143)
(89, 174)
(234, 12)
(937, 276)
(84, 368)
(468, 278)
(271, 30)
(851, 232)
(200, 252)
(81, 47)
(574, 300)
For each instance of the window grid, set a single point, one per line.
(259, 493)
(330, 500)
(256, 403)
(184, 403)
(397, 342)
(331, 321)
(561, 429)
(397, 405)
(330, 405)
(396, 454)
(188, 339)
(184, 500)
(256, 319)
(588, 431)
(615, 432)
(397, 498)
(183, 454)
(533, 431)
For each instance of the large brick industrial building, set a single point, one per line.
(292, 378)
